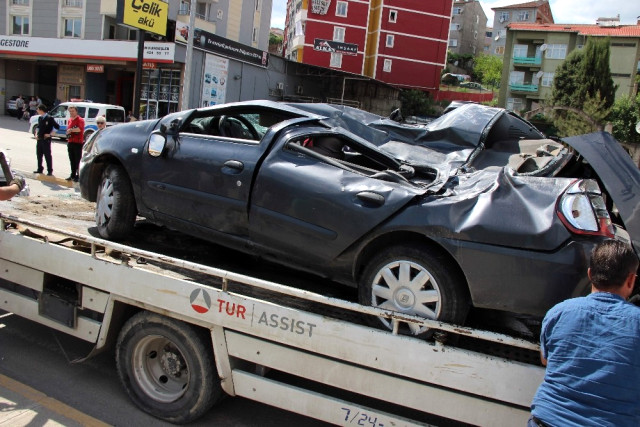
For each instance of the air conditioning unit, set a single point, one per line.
(280, 86)
(299, 90)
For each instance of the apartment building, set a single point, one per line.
(75, 49)
(399, 42)
(534, 12)
(534, 51)
(468, 28)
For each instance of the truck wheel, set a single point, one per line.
(115, 204)
(411, 279)
(167, 367)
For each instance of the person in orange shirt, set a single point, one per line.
(75, 139)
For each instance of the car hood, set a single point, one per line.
(618, 174)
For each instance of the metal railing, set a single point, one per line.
(524, 60)
(73, 3)
(20, 2)
(523, 88)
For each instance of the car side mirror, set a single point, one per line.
(157, 143)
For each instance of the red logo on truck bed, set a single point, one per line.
(200, 301)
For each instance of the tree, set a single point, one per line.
(415, 103)
(624, 115)
(488, 69)
(583, 81)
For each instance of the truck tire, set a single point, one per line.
(115, 204)
(167, 367)
(412, 279)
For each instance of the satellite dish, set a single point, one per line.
(543, 47)
(638, 127)
(496, 38)
(540, 74)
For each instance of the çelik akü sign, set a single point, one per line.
(147, 15)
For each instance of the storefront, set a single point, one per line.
(98, 70)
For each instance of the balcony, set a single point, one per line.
(526, 88)
(527, 61)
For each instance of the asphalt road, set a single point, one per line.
(39, 384)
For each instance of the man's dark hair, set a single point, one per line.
(42, 107)
(611, 262)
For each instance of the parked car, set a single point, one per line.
(477, 208)
(89, 111)
(10, 105)
(473, 85)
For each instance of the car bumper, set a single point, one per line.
(523, 281)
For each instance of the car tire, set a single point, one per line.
(167, 367)
(413, 279)
(115, 204)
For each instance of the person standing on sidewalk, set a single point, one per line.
(19, 107)
(591, 348)
(46, 123)
(75, 139)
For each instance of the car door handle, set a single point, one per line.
(234, 164)
(369, 198)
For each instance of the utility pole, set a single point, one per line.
(186, 87)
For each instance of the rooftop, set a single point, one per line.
(582, 29)
(527, 5)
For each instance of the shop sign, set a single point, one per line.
(213, 43)
(147, 15)
(87, 49)
(95, 68)
(214, 81)
(149, 65)
(335, 47)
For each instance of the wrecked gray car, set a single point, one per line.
(475, 209)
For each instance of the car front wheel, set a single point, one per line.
(115, 204)
(414, 280)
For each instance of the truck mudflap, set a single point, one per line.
(272, 343)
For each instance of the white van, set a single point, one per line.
(89, 111)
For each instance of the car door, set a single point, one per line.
(61, 116)
(202, 180)
(312, 210)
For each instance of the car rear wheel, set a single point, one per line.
(115, 204)
(412, 279)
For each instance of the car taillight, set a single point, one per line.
(582, 209)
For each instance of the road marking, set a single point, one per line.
(49, 402)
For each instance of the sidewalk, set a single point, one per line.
(21, 405)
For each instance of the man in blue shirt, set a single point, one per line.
(591, 347)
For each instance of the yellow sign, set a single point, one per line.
(147, 15)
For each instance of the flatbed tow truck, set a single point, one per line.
(186, 334)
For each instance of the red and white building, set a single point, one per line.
(400, 42)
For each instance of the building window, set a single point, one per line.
(457, 10)
(73, 3)
(254, 37)
(499, 50)
(336, 60)
(556, 51)
(547, 79)
(516, 78)
(454, 27)
(341, 8)
(390, 40)
(393, 15)
(73, 27)
(453, 42)
(184, 7)
(523, 15)
(112, 32)
(520, 51)
(20, 25)
(20, 2)
(132, 34)
(201, 10)
(514, 104)
(386, 66)
(504, 17)
(338, 34)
